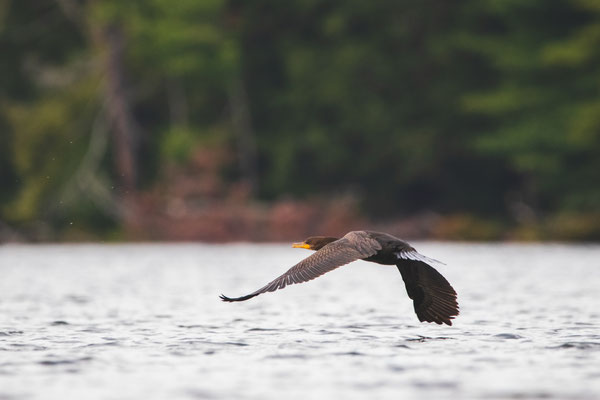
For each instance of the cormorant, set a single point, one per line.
(433, 297)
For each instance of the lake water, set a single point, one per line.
(146, 322)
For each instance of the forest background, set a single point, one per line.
(221, 120)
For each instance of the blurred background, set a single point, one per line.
(221, 120)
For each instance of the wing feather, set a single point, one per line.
(434, 299)
(411, 254)
(330, 257)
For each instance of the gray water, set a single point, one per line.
(145, 322)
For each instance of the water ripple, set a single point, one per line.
(108, 322)
(65, 361)
(578, 345)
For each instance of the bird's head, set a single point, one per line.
(315, 242)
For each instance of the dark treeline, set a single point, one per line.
(484, 113)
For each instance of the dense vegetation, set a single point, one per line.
(484, 111)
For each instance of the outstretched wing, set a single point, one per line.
(433, 297)
(330, 257)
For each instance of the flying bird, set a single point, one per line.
(433, 297)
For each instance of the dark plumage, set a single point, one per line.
(433, 297)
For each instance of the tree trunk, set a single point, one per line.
(125, 131)
(246, 142)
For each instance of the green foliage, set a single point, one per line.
(462, 107)
(182, 39)
(44, 107)
(177, 145)
(52, 136)
(543, 112)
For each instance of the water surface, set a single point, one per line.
(145, 322)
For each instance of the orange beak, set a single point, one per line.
(301, 245)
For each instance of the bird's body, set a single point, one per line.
(390, 248)
(434, 298)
